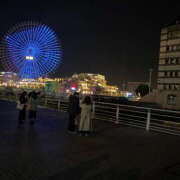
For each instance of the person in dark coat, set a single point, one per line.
(22, 112)
(33, 105)
(73, 110)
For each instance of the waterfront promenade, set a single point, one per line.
(47, 152)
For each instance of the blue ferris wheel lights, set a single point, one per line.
(32, 50)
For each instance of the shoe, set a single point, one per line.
(20, 123)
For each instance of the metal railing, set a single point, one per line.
(59, 104)
(159, 120)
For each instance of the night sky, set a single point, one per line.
(114, 38)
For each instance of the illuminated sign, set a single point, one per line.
(73, 87)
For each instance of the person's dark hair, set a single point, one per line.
(87, 100)
(24, 93)
(76, 94)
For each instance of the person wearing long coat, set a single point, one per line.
(85, 121)
(22, 103)
(73, 110)
(33, 105)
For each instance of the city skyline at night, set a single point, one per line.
(117, 39)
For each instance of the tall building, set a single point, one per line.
(169, 58)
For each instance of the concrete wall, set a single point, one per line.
(161, 98)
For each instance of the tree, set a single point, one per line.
(142, 89)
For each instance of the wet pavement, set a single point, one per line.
(46, 151)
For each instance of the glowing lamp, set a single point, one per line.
(29, 57)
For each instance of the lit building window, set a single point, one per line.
(171, 99)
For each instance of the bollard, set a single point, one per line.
(117, 114)
(148, 119)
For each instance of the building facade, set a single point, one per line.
(86, 83)
(168, 82)
(132, 86)
(169, 58)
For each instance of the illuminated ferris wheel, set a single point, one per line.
(30, 49)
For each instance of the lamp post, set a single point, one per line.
(150, 79)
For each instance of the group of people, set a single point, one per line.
(79, 111)
(80, 114)
(27, 102)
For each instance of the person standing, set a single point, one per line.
(33, 104)
(73, 110)
(22, 107)
(85, 121)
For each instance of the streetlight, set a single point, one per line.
(150, 78)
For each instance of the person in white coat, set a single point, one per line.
(85, 120)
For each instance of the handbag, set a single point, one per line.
(20, 106)
(28, 107)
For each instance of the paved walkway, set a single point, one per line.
(114, 152)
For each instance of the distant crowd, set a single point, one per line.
(79, 110)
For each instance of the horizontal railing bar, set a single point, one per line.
(109, 120)
(106, 112)
(131, 120)
(138, 107)
(164, 125)
(131, 115)
(109, 115)
(164, 115)
(152, 119)
(166, 132)
(105, 107)
(133, 111)
(165, 110)
(159, 120)
(132, 124)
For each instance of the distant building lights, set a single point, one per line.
(128, 94)
(73, 88)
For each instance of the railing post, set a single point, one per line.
(93, 110)
(45, 101)
(16, 96)
(59, 104)
(148, 119)
(117, 114)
